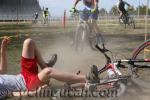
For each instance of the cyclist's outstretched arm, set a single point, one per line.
(75, 3)
(96, 4)
(127, 3)
(3, 55)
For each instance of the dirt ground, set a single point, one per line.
(55, 39)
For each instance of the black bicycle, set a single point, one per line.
(126, 19)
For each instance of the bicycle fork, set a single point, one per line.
(113, 70)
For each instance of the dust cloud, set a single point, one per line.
(71, 61)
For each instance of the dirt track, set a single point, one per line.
(71, 61)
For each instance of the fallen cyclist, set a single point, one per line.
(29, 79)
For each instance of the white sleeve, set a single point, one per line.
(117, 4)
(126, 3)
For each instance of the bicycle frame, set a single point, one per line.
(85, 22)
(110, 67)
(127, 20)
(113, 65)
(84, 30)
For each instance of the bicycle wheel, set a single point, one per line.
(141, 76)
(79, 37)
(131, 21)
(124, 19)
(120, 89)
(115, 85)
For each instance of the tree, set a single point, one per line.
(114, 10)
(142, 9)
(102, 12)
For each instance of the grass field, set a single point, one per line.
(54, 38)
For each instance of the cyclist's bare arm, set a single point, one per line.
(127, 3)
(75, 3)
(96, 4)
(119, 10)
(3, 55)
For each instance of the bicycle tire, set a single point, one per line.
(125, 19)
(125, 25)
(133, 25)
(119, 85)
(132, 22)
(141, 76)
(79, 37)
(121, 89)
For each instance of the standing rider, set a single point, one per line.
(46, 15)
(90, 11)
(121, 8)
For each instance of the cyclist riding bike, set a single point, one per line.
(121, 8)
(90, 11)
(46, 14)
(36, 16)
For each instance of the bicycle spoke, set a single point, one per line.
(141, 68)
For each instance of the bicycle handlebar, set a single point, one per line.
(76, 11)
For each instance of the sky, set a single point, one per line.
(57, 7)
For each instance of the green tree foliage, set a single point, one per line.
(113, 11)
(142, 10)
(102, 12)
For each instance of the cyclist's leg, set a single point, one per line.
(46, 18)
(95, 26)
(96, 30)
(94, 17)
(127, 15)
(124, 14)
(121, 15)
(83, 16)
(30, 51)
(48, 73)
(30, 58)
(36, 20)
